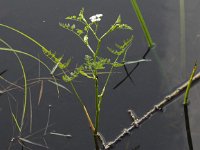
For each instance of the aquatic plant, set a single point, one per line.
(94, 64)
(185, 103)
(19, 124)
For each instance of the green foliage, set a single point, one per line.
(120, 26)
(121, 51)
(142, 23)
(88, 67)
(122, 48)
(94, 64)
(56, 60)
(79, 18)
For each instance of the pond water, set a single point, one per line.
(168, 69)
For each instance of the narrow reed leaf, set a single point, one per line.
(37, 132)
(16, 122)
(48, 120)
(182, 36)
(142, 23)
(137, 61)
(60, 85)
(32, 40)
(60, 134)
(25, 91)
(41, 91)
(25, 83)
(31, 112)
(189, 85)
(33, 143)
(25, 35)
(24, 53)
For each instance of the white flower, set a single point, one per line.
(96, 18)
(99, 15)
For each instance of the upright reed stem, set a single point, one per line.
(182, 37)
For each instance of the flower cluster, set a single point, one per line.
(96, 18)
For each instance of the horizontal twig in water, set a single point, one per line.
(167, 99)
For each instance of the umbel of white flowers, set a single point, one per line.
(96, 18)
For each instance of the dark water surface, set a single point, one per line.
(152, 80)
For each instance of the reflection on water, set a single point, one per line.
(163, 131)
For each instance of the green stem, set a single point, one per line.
(187, 121)
(97, 50)
(189, 85)
(88, 25)
(108, 77)
(107, 32)
(97, 101)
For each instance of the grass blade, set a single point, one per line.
(16, 122)
(31, 111)
(60, 134)
(149, 40)
(25, 83)
(29, 38)
(182, 36)
(33, 143)
(60, 85)
(41, 91)
(142, 23)
(137, 61)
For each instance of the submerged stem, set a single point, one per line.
(187, 121)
